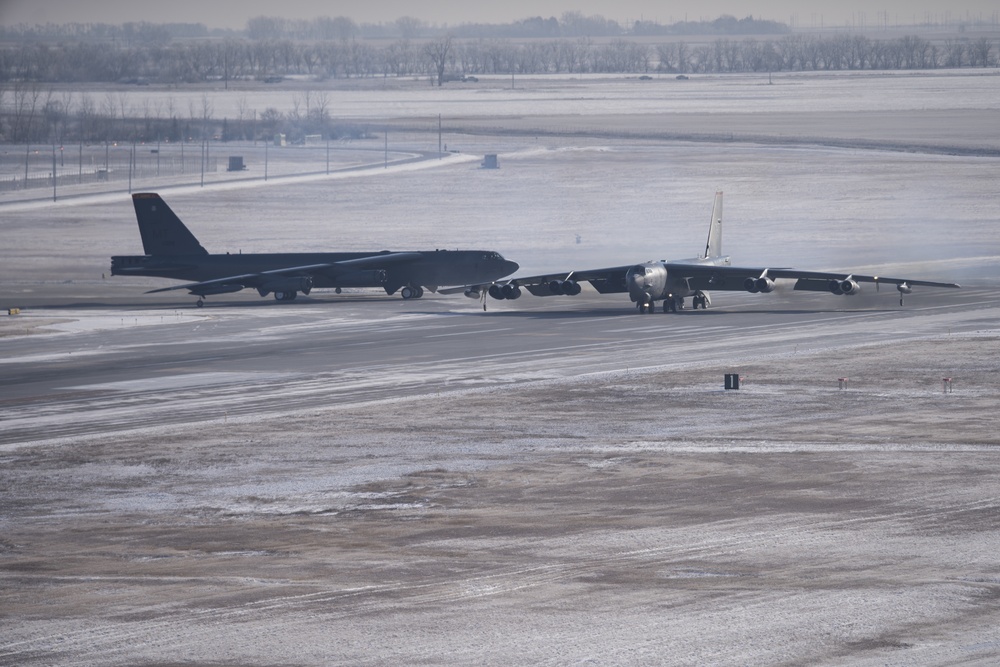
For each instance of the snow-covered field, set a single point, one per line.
(588, 503)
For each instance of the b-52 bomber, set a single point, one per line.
(671, 282)
(172, 251)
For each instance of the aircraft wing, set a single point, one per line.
(706, 276)
(686, 277)
(327, 268)
(605, 281)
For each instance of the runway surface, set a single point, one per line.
(128, 368)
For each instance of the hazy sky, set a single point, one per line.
(234, 13)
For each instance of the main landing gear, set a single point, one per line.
(670, 305)
(410, 292)
(673, 304)
(285, 296)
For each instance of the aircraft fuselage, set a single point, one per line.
(429, 268)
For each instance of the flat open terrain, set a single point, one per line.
(358, 480)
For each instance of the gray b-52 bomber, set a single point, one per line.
(172, 251)
(673, 281)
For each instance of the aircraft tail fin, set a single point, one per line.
(713, 248)
(162, 231)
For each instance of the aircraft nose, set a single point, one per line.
(510, 267)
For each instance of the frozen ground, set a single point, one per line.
(788, 523)
(609, 506)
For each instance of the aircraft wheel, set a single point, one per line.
(199, 303)
(291, 296)
(666, 305)
(407, 293)
(279, 296)
(419, 292)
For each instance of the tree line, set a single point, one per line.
(230, 59)
(35, 114)
(31, 110)
(326, 28)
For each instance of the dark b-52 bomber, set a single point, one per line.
(673, 281)
(172, 251)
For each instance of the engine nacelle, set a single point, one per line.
(302, 284)
(496, 291)
(472, 294)
(844, 287)
(570, 287)
(750, 285)
(904, 288)
(849, 287)
(511, 292)
(764, 284)
(567, 287)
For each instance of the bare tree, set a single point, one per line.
(398, 58)
(242, 115)
(344, 28)
(207, 109)
(266, 28)
(85, 114)
(408, 26)
(979, 52)
(438, 52)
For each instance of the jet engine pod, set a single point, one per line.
(510, 291)
(904, 288)
(570, 287)
(764, 284)
(496, 291)
(556, 286)
(750, 285)
(849, 287)
(472, 294)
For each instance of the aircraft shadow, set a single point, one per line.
(686, 315)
